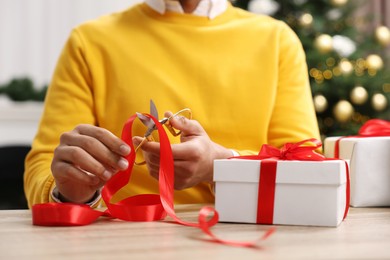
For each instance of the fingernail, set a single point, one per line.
(123, 164)
(125, 149)
(136, 142)
(107, 175)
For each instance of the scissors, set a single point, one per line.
(151, 126)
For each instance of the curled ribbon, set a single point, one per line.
(145, 207)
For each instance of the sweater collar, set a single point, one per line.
(208, 8)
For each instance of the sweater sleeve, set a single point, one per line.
(69, 102)
(293, 118)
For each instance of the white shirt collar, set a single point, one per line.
(208, 8)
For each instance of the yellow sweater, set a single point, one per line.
(243, 75)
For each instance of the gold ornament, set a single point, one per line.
(359, 95)
(382, 34)
(324, 43)
(346, 67)
(306, 20)
(379, 102)
(339, 2)
(386, 87)
(343, 111)
(374, 62)
(320, 103)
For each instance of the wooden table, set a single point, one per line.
(364, 235)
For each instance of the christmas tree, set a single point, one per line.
(346, 59)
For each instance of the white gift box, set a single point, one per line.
(310, 193)
(369, 168)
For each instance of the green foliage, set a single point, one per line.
(22, 89)
(331, 19)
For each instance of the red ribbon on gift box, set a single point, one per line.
(267, 184)
(372, 128)
(145, 207)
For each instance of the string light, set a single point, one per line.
(328, 74)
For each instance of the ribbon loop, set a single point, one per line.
(375, 127)
(293, 151)
(144, 207)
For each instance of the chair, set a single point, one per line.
(11, 176)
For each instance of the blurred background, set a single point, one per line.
(347, 45)
(32, 34)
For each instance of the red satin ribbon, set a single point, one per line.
(145, 207)
(372, 128)
(375, 127)
(266, 195)
(267, 184)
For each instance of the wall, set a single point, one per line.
(19, 122)
(32, 33)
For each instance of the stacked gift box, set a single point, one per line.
(296, 191)
(369, 155)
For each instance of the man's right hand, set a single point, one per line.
(86, 158)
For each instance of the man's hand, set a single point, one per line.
(86, 158)
(193, 157)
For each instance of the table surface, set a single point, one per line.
(365, 234)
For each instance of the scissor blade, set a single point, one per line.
(148, 122)
(153, 109)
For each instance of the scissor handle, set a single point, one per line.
(146, 139)
(168, 125)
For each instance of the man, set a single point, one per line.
(243, 75)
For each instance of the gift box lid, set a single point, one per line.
(292, 172)
(347, 144)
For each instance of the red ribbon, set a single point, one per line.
(145, 207)
(372, 128)
(266, 195)
(269, 156)
(375, 127)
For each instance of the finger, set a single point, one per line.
(137, 140)
(182, 151)
(186, 151)
(183, 175)
(95, 148)
(113, 143)
(77, 157)
(152, 163)
(149, 147)
(72, 173)
(154, 171)
(187, 126)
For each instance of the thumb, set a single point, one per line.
(188, 127)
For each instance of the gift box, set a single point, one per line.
(286, 192)
(369, 167)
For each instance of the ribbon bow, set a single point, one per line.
(293, 151)
(375, 127)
